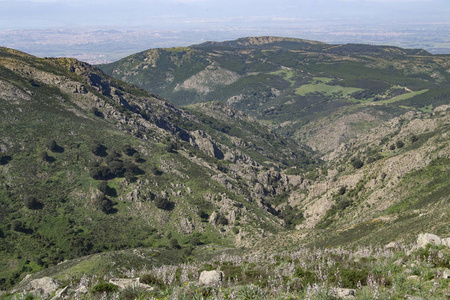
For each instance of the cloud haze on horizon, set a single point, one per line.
(179, 14)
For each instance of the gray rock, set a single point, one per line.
(446, 242)
(61, 293)
(446, 274)
(124, 283)
(211, 277)
(427, 238)
(46, 285)
(82, 290)
(344, 293)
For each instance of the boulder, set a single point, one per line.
(446, 274)
(342, 293)
(124, 283)
(45, 285)
(61, 293)
(211, 277)
(446, 242)
(427, 238)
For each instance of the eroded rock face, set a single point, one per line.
(208, 80)
(45, 285)
(211, 277)
(10, 92)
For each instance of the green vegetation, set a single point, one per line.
(100, 179)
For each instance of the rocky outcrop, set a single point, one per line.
(211, 277)
(10, 92)
(44, 285)
(205, 143)
(208, 80)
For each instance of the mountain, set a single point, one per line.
(289, 83)
(91, 164)
(111, 177)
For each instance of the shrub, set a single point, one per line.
(392, 147)
(173, 243)
(342, 190)
(44, 156)
(53, 146)
(32, 203)
(106, 205)
(104, 287)
(413, 139)
(128, 150)
(16, 225)
(98, 149)
(152, 280)
(203, 215)
(4, 159)
(399, 144)
(357, 163)
(162, 203)
(103, 187)
(222, 220)
(195, 241)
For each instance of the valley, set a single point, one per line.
(261, 158)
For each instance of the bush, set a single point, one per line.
(98, 149)
(4, 159)
(129, 151)
(16, 225)
(195, 241)
(357, 163)
(106, 205)
(173, 243)
(53, 146)
(399, 144)
(162, 203)
(413, 139)
(104, 287)
(203, 215)
(222, 220)
(32, 203)
(152, 280)
(103, 187)
(44, 156)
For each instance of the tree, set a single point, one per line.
(128, 150)
(103, 187)
(106, 205)
(32, 203)
(400, 144)
(16, 225)
(52, 145)
(173, 243)
(162, 203)
(44, 156)
(98, 149)
(4, 159)
(357, 163)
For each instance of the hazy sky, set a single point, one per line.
(176, 14)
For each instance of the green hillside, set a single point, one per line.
(296, 168)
